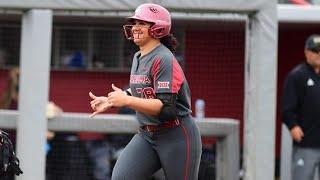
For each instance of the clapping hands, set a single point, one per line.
(116, 98)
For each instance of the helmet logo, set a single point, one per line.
(153, 9)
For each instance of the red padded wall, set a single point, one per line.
(69, 89)
(215, 71)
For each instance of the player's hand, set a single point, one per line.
(297, 133)
(118, 98)
(99, 104)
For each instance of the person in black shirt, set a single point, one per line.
(301, 113)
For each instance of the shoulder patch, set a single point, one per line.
(163, 84)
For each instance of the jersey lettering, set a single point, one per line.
(146, 93)
(139, 79)
(139, 90)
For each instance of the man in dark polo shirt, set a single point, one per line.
(301, 111)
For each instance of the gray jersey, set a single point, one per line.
(159, 72)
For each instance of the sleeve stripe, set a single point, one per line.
(177, 77)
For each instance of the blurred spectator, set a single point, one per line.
(9, 100)
(67, 159)
(52, 111)
(67, 156)
(97, 63)
(9, 97)
(99, 153)
(77, 60)
(73, 60)
(207, 169)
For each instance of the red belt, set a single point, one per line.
(165, 125)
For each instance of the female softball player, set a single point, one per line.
(168, 137)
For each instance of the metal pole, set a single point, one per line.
(260, 94)
(33, 95)
(286, 154)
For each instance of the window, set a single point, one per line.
(90, 48)
(80, 47)
(70, 48)
(9, 45)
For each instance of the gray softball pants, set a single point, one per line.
(177, 150)
(304, 163)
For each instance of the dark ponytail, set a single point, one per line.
(170, 42)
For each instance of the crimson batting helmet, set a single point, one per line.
(152, 13)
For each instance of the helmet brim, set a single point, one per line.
(132, 18)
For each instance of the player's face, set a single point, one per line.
(313, 58)
(140, 31)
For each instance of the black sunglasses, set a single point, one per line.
(315, 50)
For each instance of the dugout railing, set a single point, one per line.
(226, 131)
